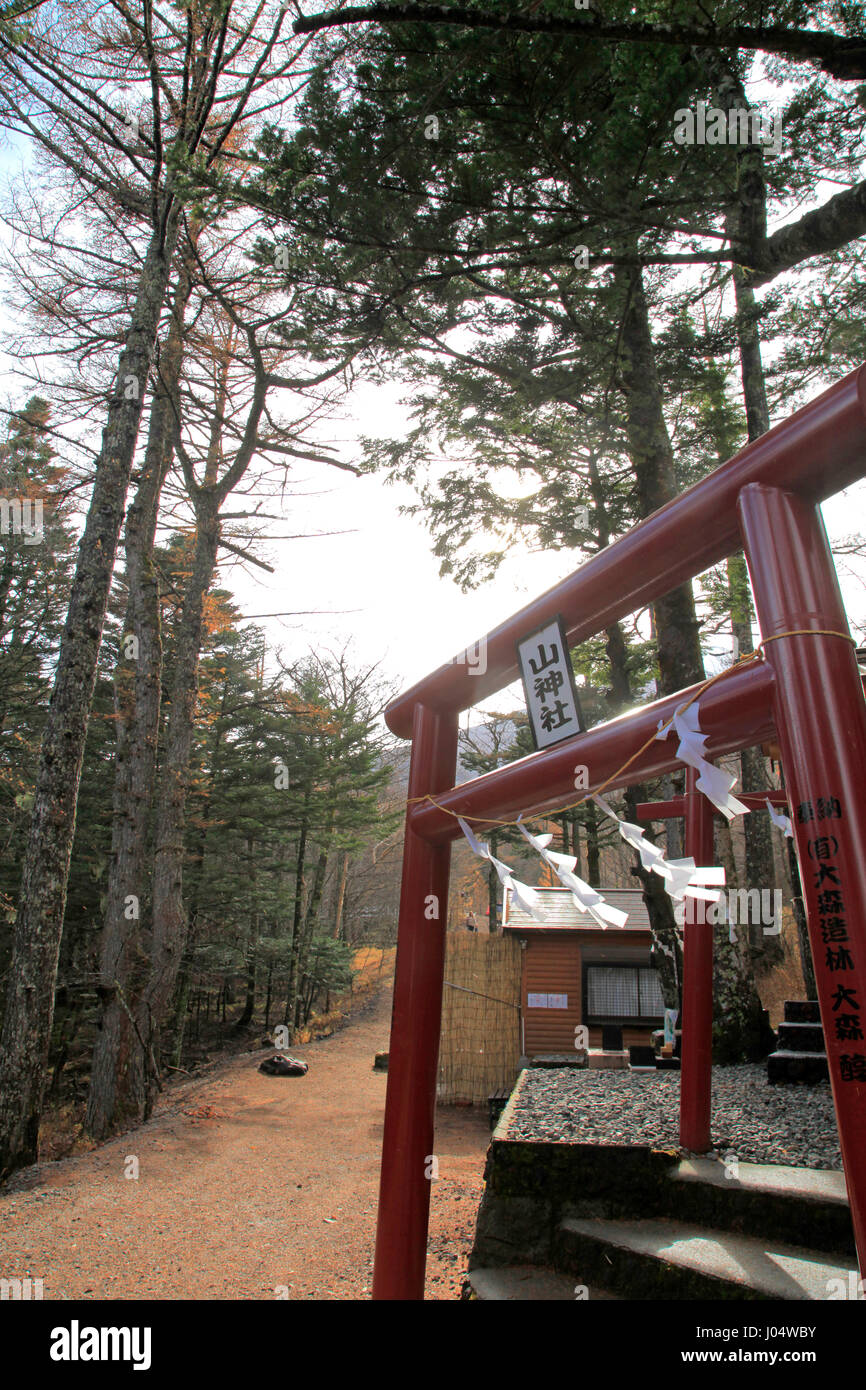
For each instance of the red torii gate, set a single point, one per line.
(804, 692)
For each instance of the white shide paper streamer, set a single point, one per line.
(783, 822)
(585, 896)
(682, 878)
(715, 784)
(524, 896)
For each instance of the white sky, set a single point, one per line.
(385, 570)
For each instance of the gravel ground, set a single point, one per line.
(793, 1125)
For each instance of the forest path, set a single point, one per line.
(246, 1183)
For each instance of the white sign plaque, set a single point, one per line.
(548, 682)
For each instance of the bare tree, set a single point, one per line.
(69, 83)
(223, 425)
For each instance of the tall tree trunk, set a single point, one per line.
(341, 896)
(746, 225)
(674, 824)
(677, 630)
(760, 866)
(620, 695)
(169, 917)
(315, 899)
(593, 859)
(269, 994)
(564, 824)
(251, 955)
(575, 845)
(197, 854)
(181, 1004)
(738, 1009)
(30, 994)
(252, 946)
(297, 921)
(724, 848)
(667, 956)
(767, 951)
(117, 1085)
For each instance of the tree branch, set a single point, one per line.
(842, 219)
(838, 54)
(245, 555)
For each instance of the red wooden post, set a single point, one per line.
(697, 1048)
(407, 1142)
(821, 722)
(676, 806)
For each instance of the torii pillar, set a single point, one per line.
(821, 722)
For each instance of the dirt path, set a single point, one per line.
(246, 1184)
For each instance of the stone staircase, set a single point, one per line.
(800, 1054)
(602, 1222)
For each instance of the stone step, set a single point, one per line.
(800, 1037)
(653, 1259)
(801, 1206)
(797, 1067)
(525, 1283)
(802, 1011)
